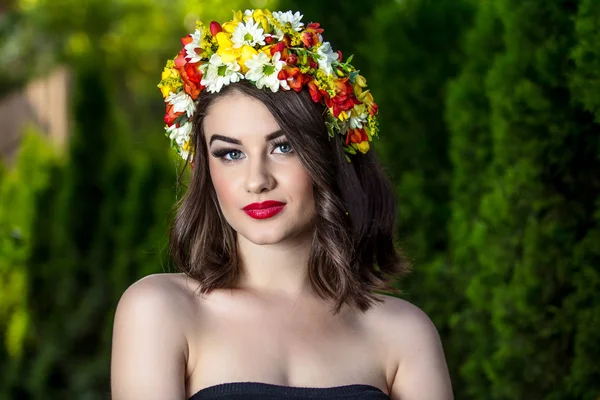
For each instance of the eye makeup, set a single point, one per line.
(236, 154)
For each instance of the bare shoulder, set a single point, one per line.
(414, 343)
(406, 320)
(159, 290)
(150, 338)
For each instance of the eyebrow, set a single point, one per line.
(228, 139)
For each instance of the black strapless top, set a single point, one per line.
(267, 391)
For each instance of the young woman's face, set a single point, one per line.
(264, 192)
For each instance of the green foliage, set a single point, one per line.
(524, 193)
(417, 52)
(585, 80)
(20, 188)
(470, 152)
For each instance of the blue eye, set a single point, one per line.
(233, 155)
(228, 155)
(284, 148)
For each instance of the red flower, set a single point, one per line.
(315, 93)
(170, 115)
(291, 59)
(344, 99)
(311, 35)
(374, 108)
(279, 48)
(294, 77)
(215, 28)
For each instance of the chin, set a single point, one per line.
(264, 235)
(272, 232)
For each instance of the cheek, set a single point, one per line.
(299, 183)
(222, 183)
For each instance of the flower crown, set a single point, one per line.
(272, 50)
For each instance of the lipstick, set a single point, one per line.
(266, 209)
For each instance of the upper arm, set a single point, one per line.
(422, 371)
(149, 348)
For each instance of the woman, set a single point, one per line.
(283, 236)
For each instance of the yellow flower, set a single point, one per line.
(165, 90)
(366, 97)
(343, 116)
(359, 109)
(246, 54)
(363, 147)
(360, 81)
(169, 73)
(224, 40)
(267, 49)
(169, 85)
(261, 17)
(230, 54)
(225, 49)
(230, 26)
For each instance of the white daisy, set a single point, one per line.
(216, 73)
(182, 134)
(181, 102)
(182, 137)
(264, 71)
(190, 48)
(326, 57)
(248, 33)
(295, 20)
(184, 153)
(357, 122)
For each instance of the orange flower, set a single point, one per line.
(312, 35)
(190, 75)
(356, 136)
(358, 139)
(294, 77)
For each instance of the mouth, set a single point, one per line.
(266, 209)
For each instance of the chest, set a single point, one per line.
(290, 348)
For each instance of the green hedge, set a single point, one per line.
(525, 193)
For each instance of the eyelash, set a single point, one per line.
(221, 153)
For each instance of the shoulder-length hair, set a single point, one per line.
(353, 251)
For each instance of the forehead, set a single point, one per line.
(238, 115)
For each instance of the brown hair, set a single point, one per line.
(353, 250)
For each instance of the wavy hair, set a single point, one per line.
(353, 250)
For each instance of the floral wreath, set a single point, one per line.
(272, 50)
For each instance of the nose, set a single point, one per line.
(259, 176)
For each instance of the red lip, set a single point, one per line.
(266, 209)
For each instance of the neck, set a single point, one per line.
(278, 269)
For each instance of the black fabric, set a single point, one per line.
(267, 391)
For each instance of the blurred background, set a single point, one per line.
(490, 129)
